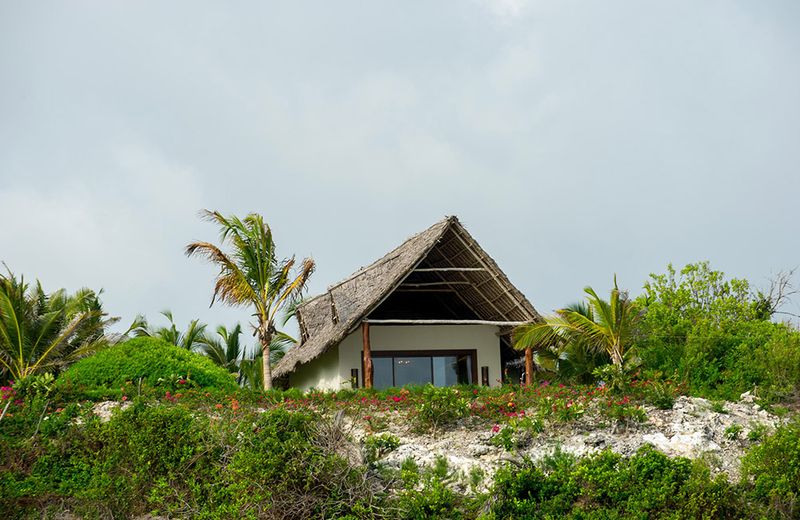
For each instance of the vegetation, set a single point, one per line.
(192, 339)
(716, 335)
(252, 274)
(251, 455)
(713, 335)
(42, 332)
(600, 326)
(124, 368)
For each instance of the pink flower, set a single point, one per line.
(124, 398)
(495, 428)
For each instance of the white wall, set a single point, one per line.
(321, 373)
(324, 374)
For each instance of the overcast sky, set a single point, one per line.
(574, 140)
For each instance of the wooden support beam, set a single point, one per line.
(424, 290)
(445, 322)
(432, 284)
(368, 371)
(528, 366)
(448, 269)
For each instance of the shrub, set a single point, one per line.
(167, 460)
(774, 469)
(430, 495)
(732, 432)
(154, 362)
(646, 485)
(661, 395)
(376, 446)
(441, 406)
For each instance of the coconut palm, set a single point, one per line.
(192, 339)
(42, 332)
(600, 326)
(252, 368)
(251, 274)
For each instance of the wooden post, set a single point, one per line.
(528, 366)
(367, 355)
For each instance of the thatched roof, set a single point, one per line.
(444, 256)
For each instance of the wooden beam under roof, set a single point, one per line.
(445, 322)
(432, 284)
(448, 269)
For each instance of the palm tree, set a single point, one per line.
(225, 350)
(192, 339)
(252, 275)
(44, 332)
(600, 326)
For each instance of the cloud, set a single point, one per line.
(121, 232)
(506, 10)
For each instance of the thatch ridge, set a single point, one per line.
(328, 318)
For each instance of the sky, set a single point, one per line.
(574, 140)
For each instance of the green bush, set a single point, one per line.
(431, 495)
(714, 334)
(169, 460)
(773, 467)
(646, 485)
(442, 406)
(151, 361)
(376, 446)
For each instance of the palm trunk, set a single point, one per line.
(616, 356)
(266, 338)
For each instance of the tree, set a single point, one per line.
(601, 326)
(225, 350)
(192, 339)
(42, 332)
(252, 275)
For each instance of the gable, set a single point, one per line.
(442, 266)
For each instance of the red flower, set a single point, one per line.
(495, 428)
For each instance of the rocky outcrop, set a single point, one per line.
(694, 428)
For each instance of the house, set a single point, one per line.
(437, 309)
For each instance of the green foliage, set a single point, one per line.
(251, 274)
(661, 395)
(433, 497)
(600, 326)
(42, 332)
(606, 485)
(718, 407)
(712, 333)
(757, 432)
(153, 361)
(732, 432)
(192, 339)
(441, 406)
(171, 461)
(623, 412)
(505, 438)
(376, 446)
(773, 467)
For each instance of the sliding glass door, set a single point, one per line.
(440, 368)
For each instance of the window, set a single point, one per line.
(440, 368)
